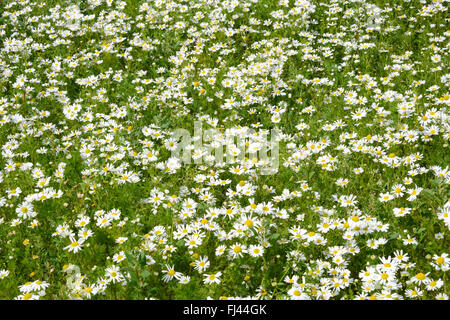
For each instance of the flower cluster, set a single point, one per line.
(95, 202)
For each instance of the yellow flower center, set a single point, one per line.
(420, 276)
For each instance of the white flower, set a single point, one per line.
(212, 278)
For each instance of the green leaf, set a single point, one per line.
(393, 236)
(421, 230)
(179, 243)
(129, 257)
(429, 194)
(133, 283)
(275, 236)
(133, 276)
(145, 274)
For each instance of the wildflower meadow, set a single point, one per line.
(224, 149)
